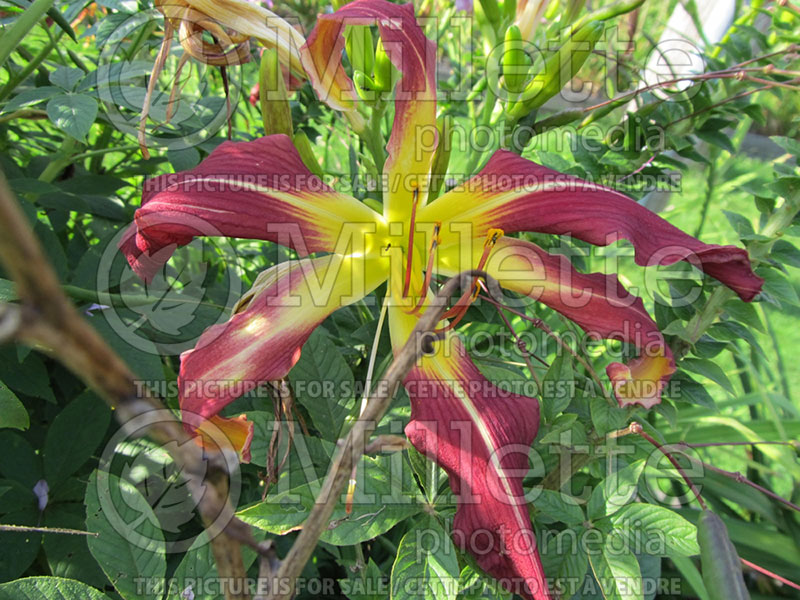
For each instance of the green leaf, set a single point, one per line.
(606, 417)
(744, 312)
(557, 389)
(323, 384)
(716, 138)
(367, 584)
(12, 411)
(31, 97)
(8, 291)
(565, 561)
(130, 545)
(73, 436)
(68, 555)
(616, 570)
(473, 585)
(655, 530)
(709, 370)
(49, 588)
(785, 253)
(559, 506)
(385, 494)
(66, 77)
(620, 486)
(426, 567)
(683, 388)
(73, 114)
(18, 460)
(778, 288)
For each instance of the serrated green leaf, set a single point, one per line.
(426, 566)
(655, 530)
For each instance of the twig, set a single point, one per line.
(60, 530)
(47, 320)
(539, 324)
(768, 573)
(350, 450)
(636, 428)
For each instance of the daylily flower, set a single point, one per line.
(231, 23)
(477, 433)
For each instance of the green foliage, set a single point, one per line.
(619, 517)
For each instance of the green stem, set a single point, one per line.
(779, 357)
(26, 21)
(32, 65)
(710, 185)
(485, 118)
(124, 301)
(62, 159)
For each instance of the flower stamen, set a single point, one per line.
(459, 309)
(410, 249)
(423, 292)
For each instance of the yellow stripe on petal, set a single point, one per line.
(263, 340)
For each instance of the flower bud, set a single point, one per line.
(276, 114)
(560, 68)
(441, 157)
(516, 62)
(360, 52)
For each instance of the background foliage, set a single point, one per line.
(70, 94)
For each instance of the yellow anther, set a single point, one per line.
(492, 236)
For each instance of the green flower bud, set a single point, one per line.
(516, 62)
(558, 70)
(384, 75)
(358, 44)
(441, 157)
(722, 569)
(306, 152)
(276, 114)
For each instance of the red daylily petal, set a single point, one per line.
(258, 190)
(263, 341)
(599, 303)
(413, 139)
(481, 436)
(515, 194)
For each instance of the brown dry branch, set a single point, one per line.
(352, 447)
(45, 319)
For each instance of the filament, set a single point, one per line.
(410, 248)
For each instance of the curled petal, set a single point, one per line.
(259, 190)
(263, 340)
(481, 436)
(413, 139)
(598, 303)
(246, 18)
(515, 194)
